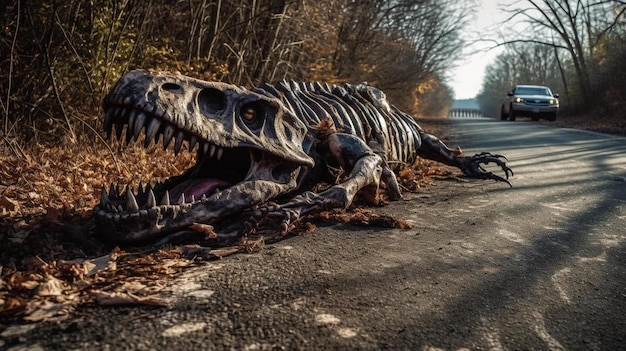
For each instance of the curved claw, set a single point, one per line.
(286, 216)
(473, 167)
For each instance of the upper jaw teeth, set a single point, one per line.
(138, 120)
(213, 150)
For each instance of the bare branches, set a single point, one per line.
(529, 41)
(399, 45)
(70, 52)
(580, 28)
(7, 105)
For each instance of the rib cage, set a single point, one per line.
(359, 110)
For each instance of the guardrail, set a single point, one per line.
(465, 113)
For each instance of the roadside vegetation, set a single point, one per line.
(58, 60)
(577, 48)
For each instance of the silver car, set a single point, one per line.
(532, 101)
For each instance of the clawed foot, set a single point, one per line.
(473, 167)
(271, 214)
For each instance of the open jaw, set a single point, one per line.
(125, 215)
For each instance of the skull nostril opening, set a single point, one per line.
(212, 100)
(172, 87)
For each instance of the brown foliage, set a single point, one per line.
(51, 262)
(62, 57)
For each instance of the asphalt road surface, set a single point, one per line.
(541, 266)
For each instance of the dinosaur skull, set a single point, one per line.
(242, 137)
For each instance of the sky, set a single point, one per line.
(466, 79)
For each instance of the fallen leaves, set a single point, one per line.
(363, 216)
(58, 287)
(46, 198)
(44, 290)
(70, 176)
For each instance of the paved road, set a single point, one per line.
(541, 266)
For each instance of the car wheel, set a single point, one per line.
(503, 115)
(512, 115)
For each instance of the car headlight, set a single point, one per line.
(554, 102)
(518, 100)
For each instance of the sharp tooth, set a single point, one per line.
(119, 127)
(220, 151)
(192, 143)
(104, 199)
(112, 192)
(212, 152)
(205, 148)
(151, 131)
(193, 199)
(131, 202)
(108, 122)
(158, 111)
(151, 199)
(180, 136)
(181, 201)
(132, 115)
(166, 198)
(203, 197)
(131, 125)
(168, 133)
(120, 208)
(140, 191)
(140, 120)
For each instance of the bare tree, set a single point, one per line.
(577, 26)
(520, 63)
(399, 45)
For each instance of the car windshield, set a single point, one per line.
(531, 91)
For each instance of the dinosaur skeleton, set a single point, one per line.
(272, 143)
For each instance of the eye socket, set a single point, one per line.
(173, 87)
(212, 100)
(248, 114)
(253, 114)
